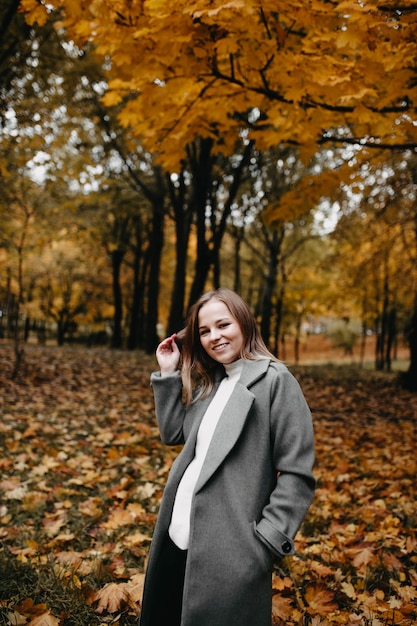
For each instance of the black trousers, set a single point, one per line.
(166, 603)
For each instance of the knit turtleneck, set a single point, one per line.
(234, 369)
(179, 529)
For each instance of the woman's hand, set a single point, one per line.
(168, 355)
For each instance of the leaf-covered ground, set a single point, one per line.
(82, 471)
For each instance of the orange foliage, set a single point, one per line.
(195, 69)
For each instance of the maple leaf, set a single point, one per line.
(281, 583)
(320, 599)
(362, 556)
(392, 563)
(111, 597)
(136, 538)
(53, 523)
(114, 596)
(136, 586)
(29, 608)
(282, 607)
(13, 489)
(36, 12)
(119, 517)
(46, 619)
(321, 569)
(91, 507)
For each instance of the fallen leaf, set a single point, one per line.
(46, 619)
(111, 597)
(282, 607)
(320, 599)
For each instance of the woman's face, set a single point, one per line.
(220, 333)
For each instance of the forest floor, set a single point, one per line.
(318, 350)
(82, 471)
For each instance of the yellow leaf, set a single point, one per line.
(35, 12)
(111, 98)
(349, 590)
(136, 539)
(76, 581)
(119, 517)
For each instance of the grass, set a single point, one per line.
(43, 585)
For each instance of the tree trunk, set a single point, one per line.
(201, 164)
(238, 237)
(409, 379)
(278, 321)
(183, 217)
(61, 332)
(297, 340)
(176, 315)
(133, 340)
(274, 246)
(155, 247)
(380, 362)
(391, 333)
(116, 262)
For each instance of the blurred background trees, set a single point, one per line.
(120, 205)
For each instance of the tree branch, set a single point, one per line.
(399, 8)
(401, 147)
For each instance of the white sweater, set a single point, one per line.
(179, 529)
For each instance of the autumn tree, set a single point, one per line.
(19, 205)
(376, 245)
(14, 50)
(52, 106)
(273, 232)
(215, 184)
(315, 72)
(295, 74)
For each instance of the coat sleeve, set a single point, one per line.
(293, 455)
(170, 410)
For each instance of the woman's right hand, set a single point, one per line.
(168, 355)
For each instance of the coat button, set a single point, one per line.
(286, 547)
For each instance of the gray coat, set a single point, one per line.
(242, 514)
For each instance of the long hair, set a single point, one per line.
(197, 368)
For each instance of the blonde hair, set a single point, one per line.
(197, 368)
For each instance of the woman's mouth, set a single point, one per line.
(219, 347)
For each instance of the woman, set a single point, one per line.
(239, 490)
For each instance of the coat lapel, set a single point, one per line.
(195, 415)
(233, 419)
(227, 432)
(228, 429)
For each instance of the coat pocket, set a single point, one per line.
(261, 552)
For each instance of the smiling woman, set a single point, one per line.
(220, 333)
(240, 488)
